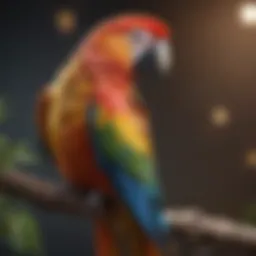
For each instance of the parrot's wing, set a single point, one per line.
(42, 110)
(126, 141)
(124, 147)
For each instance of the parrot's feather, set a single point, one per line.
(106, 245)
(126, 140)
(42, 111)
(131, 169)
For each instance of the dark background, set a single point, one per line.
(215, 64)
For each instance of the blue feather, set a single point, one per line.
(143, 201)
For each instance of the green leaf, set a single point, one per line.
(13, 154)
(23, 154)
(7, 161)
(3, 111)
(4, 144)
(24, 234)
(5, 208)
(4, 203)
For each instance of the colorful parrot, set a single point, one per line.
(97, 126)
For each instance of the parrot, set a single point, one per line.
(96, 125)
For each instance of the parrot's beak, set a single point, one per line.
(163, 55)
(156, 57)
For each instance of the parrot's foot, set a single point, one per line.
(94, 200)
(66, 189)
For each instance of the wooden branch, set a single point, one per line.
(191, 222)
(197, 223)
(44, 194)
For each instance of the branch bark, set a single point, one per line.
(188, 221)
(42, 193)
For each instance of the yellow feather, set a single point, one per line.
(130, 129)
(68, 94)
(122, 53)
(133, 131)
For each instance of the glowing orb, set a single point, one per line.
(220, 116)
(247, 13)
(65, 21)
(250, 158)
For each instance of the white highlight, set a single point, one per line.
(220, 116)
(164, 55)
(250, 158)
(248, 14)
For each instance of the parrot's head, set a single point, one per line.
(130, 39)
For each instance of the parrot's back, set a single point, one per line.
(62, 125)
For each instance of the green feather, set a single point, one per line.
(138, 165)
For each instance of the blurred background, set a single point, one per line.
(204, 118)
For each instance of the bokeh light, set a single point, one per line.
(247, 13)
(65, 21)
(220, 116)
(250, 158)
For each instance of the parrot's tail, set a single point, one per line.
(104, 240)
(120, 235)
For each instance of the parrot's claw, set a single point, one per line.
(94, 200)
(64, 190)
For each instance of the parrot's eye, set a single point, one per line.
(140, 37)
(141, 42)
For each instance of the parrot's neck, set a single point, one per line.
(112, 85)
(113, 93)
(114, 100)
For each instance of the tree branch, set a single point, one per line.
(191, 222)
(42, 193)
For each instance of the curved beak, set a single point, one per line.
(157, 55)
(164, 55)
